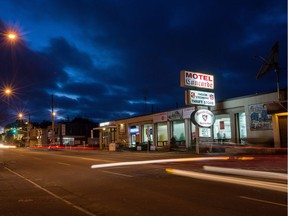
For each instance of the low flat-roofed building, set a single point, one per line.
(259, 119)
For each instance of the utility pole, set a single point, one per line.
(52, 114)
(28, 130)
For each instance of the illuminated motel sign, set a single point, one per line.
(196, 80)
(202, 118)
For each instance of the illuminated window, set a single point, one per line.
(242, 125)
(162, 135)
(179, 130)
(222, 127)
(147, 133)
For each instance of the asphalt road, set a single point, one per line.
(37, 182)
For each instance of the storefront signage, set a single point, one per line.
(199, 98)
(190, 79)
(204, 132)
(160, 117)
(134, 130)
(103, 124)
(175, 115)
(259, 118)
(203, 118)
(187, 112)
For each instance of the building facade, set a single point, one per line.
(258, 119)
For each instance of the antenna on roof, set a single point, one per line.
(269, 64)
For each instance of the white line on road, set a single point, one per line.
(244, 172)
(231, 180)
(263, 201)
(120, 174)
(157, 161)
(52, 194)
(66, 164)
(92, 159)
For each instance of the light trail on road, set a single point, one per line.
(130, 163)
(253, 173)
(231, 180)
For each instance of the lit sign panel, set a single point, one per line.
(160, 117)
(204, 132)
(199, 98)
(190, 79)
(203, 118)
(175, 115)
(103, 124)
(134, 130)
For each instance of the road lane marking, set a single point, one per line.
(92, 159)
(263, 201)
(52, 194)
(67, 156)
(156, 161)
(245, 172)
(231, 180)
(66, 164)
(120, 174)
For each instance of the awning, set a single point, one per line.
(276, 107)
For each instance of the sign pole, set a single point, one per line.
(197, 139)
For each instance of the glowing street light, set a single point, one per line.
(8, 91)
(12, 36)
(20, 115)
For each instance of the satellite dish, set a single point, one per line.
(269, 63)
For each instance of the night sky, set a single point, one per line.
(111, 59)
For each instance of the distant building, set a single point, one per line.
(72, 134)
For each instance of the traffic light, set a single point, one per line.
(14, 131)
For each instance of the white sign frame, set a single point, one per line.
(191, 79)
(199, 98)
(203, 118)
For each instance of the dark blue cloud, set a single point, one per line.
(111, 59)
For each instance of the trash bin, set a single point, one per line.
(112, 147)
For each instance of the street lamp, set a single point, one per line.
(20, 115)
(11, 36)
(7, 91)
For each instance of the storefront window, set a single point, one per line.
(134, 136)
(68, 141)
(147, 133)
(162, 135)
(242, 125)
(193, 131)
(179, 130)
(222, 127)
